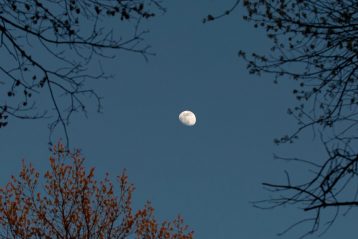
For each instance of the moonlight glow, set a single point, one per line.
(187, 118)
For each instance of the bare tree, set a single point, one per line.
(68, 202)
(315, 43)
(50, 49)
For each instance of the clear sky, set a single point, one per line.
(208, 173)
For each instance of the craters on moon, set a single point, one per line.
(187, 118)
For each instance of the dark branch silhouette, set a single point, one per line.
(49, 51)
(211, 17)
(315, 43)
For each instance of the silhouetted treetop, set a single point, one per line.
(51, 49)
(316, 44)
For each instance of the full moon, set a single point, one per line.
(187, 117)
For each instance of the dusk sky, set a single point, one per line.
(208, 173)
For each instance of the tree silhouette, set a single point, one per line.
(315, 43)
(70, 203)
(48, 50)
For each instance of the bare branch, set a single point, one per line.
(53, 45)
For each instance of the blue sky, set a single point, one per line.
(210, 172)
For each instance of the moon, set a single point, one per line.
(187, 118)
